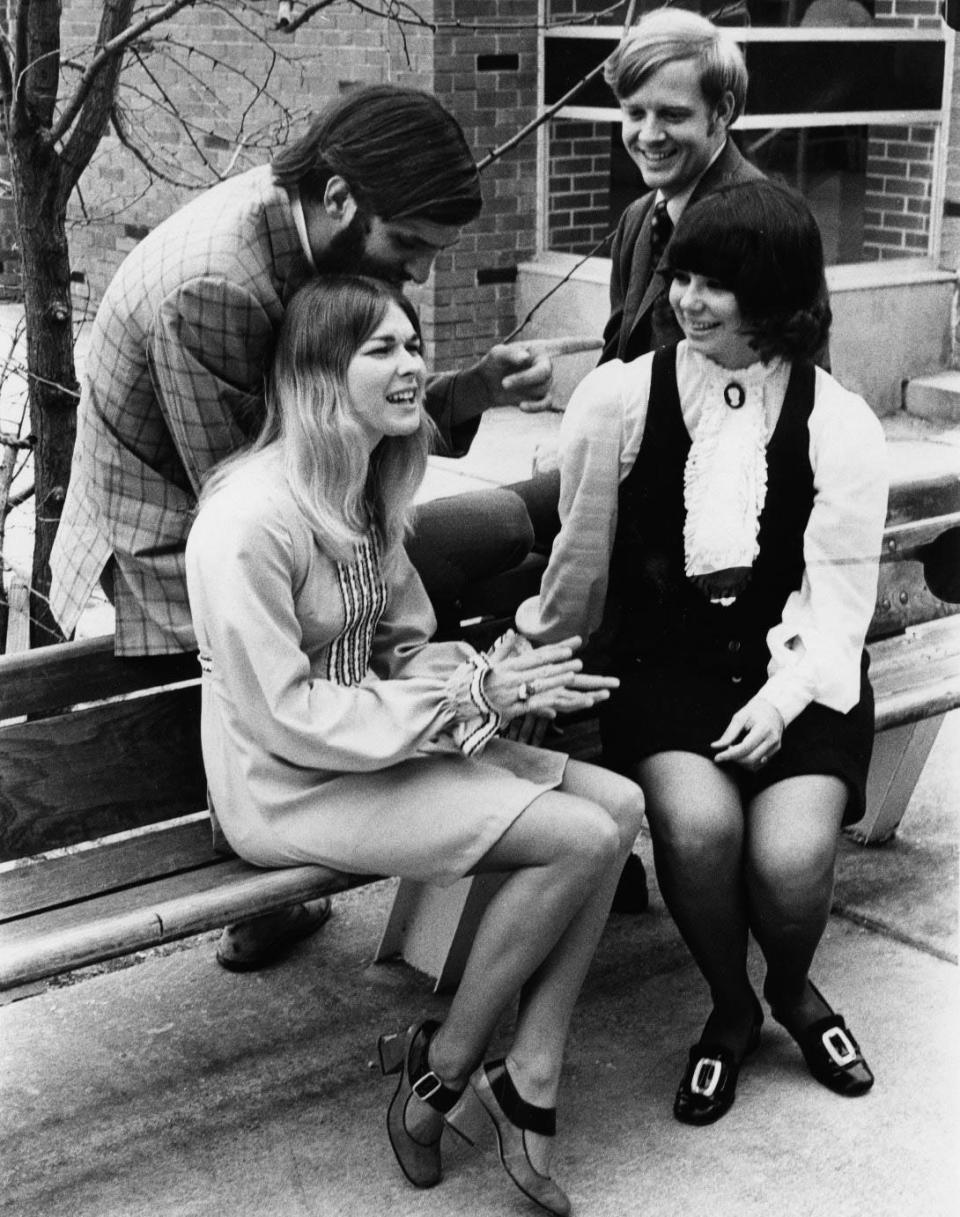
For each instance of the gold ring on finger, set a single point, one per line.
(523, 691)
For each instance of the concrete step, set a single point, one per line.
(936, 396)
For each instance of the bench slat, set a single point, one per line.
(160, 912)
(99, 770)
(916, 675)
(922, 653)
(49, 883)
(40, 681)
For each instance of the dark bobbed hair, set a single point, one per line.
(760, 241)
(401, 153)
(667, 35)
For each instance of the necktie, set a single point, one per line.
(661, 230)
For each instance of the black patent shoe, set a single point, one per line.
(406, 1053)
(833, 1056)
(709, 1084)
(631, 895)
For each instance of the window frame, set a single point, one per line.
(939, 119)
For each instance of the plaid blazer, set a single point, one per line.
(173, 384)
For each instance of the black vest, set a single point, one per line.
(655, 611)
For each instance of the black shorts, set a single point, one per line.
(668, 707)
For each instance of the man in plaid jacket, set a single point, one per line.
(381, 183)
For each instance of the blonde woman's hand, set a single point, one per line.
(752, 736)
(544, 681)
(527, 729)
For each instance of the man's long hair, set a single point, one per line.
(342, 492)
(401, 153)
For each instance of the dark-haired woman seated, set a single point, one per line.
(722, 506)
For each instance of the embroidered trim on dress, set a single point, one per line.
(364, 596)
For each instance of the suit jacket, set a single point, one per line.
(640, 317)
(173, 384)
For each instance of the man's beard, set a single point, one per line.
(346, 254)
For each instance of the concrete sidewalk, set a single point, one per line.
(169, 1088)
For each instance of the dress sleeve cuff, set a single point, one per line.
(476, 721)
(787, 694)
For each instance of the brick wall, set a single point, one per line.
(489, 80)
(897, 206)
(210, 67)
(578, 198)
(486, 78)
(950, 236)
(898, 195)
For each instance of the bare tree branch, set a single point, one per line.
(311, 10)
(111, 50)
(120, 130)
(17, 500)
(20, 57)
(204, 159)
(391, 10)
(549, 113)
(94, 114)
(6, 74)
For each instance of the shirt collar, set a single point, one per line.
(300, 220)
(676, 203)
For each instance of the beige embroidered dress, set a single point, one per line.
(333, 731)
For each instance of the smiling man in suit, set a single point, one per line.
(681, 83)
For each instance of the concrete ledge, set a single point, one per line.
(891, 321)
(935, 397)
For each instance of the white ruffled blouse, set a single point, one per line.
(815, 648)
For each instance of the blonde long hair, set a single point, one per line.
(341, 491)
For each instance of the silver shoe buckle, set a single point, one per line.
(839, 1047)
(706, 1077)
(430, 1084)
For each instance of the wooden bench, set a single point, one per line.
(105, 844)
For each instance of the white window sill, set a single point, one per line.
(862, 276)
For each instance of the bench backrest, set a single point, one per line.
(91, 744)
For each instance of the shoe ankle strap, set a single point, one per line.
(425, 1084)
(542, 1120)
(430, 1089)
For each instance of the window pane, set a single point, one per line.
(774, 13)
(868, 186)
(787, 78)
(818, 77)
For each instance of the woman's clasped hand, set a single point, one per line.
(541, 681)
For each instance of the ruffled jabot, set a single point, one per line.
(725, 480)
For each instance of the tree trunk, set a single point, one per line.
(50, 364)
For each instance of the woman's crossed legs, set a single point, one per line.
(563, 856)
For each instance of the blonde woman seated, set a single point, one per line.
(335, 732)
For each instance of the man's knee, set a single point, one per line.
(541, 498)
